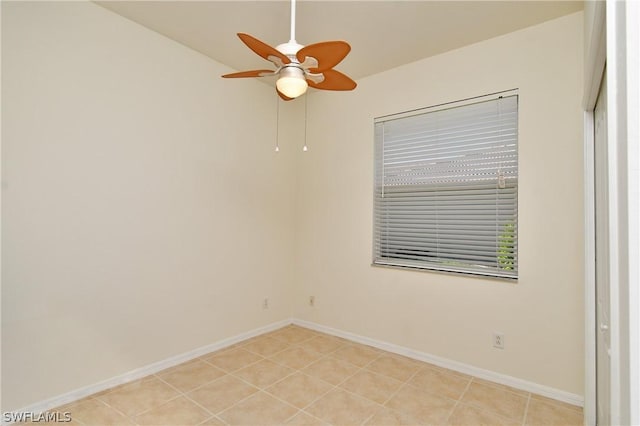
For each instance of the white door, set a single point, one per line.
(603, 341)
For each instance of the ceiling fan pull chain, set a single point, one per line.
(304, 148)
(277, 123)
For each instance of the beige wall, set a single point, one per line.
(445, 315)
(145, 213)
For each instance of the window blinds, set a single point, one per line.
(446, 187)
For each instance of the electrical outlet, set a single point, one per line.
(312, 300)
(265, 303)
(498, 340)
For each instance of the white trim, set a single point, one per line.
(139, 373)
(594, 69)
(623, 63)
(595, 57)
(633, 194)
(390, 347)
(504, 379)
(589, 272)
(614, 45)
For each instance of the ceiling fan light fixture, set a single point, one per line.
(292, 82)
(296, 62)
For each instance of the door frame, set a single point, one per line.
(595, 59)
(614, 40)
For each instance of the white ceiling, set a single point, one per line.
(382, 34)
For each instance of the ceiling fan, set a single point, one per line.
(298, 66)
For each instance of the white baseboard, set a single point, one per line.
(504, 379)
(187, 356)
(139, 373)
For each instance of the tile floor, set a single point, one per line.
(295, 376)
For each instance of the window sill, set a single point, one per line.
(468, 274)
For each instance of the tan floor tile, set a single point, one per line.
(76, 423)
(270, 362)
(65, 407)
(466, 415)
(448, 371)
(142, 395)
(213, 421)
(496, 399)
(259, 409)
(179, 411)
(58, 416)
(440, 383)
(222, 393)
(38, 421)
(190, 375)
(230, 347)
(68, 407)
(545, 413)
(331, 370)
(425, 407)
(293, 334)
(233, 360)
(295, 357)
(359, 355)
(397, 367)
(375, 387)
(304, 419)
(323, 344)
(500, 386)
(554, 401)
(145, 379)
(389, 417)
(299, 390)
(95, 412)
(263, 373)
(106, 391)
(265, 346)
(342, 408)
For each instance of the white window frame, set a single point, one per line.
(379, 188)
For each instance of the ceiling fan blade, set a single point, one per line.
(328, 54)
(252, 73)
(263, 49)
(282, 96)
(334, 80)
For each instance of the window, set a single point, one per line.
(446, 188)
